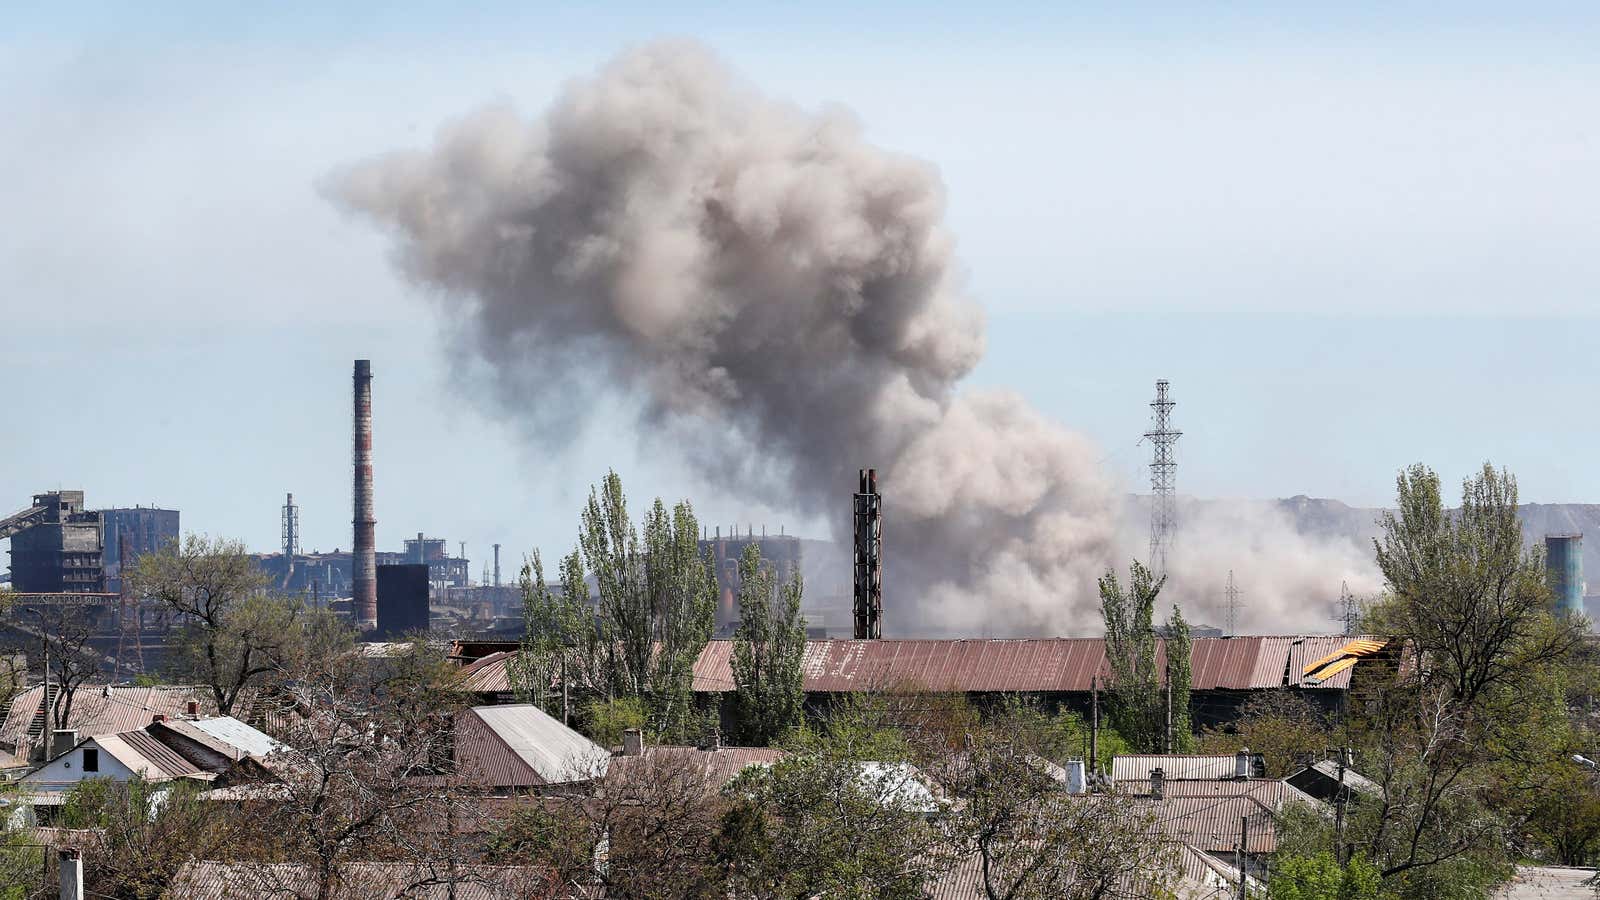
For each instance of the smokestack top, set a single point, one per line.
(363, 368)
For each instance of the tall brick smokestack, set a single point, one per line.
(364, 577)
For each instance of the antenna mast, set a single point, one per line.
(1163, 479)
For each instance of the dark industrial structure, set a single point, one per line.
(1563, 562)
(869, 557)
(363, 582)
(780, 553)
(130, 534)
(402, 600)
(58, 546)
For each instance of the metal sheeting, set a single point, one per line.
(1022, 665)
(98, 709)
(224, 734)
(1137, 767)
(1212, 824)
(145, 755)
(489, 675)
(990, 666)
(547, 750)
(714, 767)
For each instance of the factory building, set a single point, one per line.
(135, 531)
(781, 553)
(58, 546)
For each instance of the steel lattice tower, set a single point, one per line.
(1349, 608)
(1163, 479)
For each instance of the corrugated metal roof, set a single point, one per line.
(145, 755)
(101, 709)
(1194, 876)
(1212, 824)
(715, 767)
(989, 665)
(204, 880)
(1007, 665)
(233, 733)
(488, 675)
(519, 745)
(1137, 767)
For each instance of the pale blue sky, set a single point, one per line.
(1352, 239)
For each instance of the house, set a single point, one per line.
(214, 743)
(122, 756)
(95, 709)
(1322, 779)
(520, 747)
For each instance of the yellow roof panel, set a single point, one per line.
(1336, 668)
(1357, 649)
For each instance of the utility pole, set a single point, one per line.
(1094, 727)
(1244, 841)
(1339, 798)
(1169, 706)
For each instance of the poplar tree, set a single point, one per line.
(1138, 685)
(768, 647)
(656, 602)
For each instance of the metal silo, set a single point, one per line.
(1563, 566)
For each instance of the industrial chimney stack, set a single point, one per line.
(869, 558)
(364, 565)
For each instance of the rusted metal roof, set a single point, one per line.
(489, 675)
(1024, 664)
(205, 880)
(990, 665)
(715, 767)
(100, 709)
(1212, 824)
(1002, 665)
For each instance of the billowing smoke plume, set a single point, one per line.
(783, 298)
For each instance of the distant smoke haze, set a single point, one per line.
(782, 299)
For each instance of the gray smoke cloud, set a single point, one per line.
(731, 261)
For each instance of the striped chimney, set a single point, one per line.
(364, 564)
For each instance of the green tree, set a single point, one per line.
(560, 647)
(656, 605)
(1320, 877)
(1456, 737)
(1463, 590)
(768, 647)
(1280, 725)
(1138, 701)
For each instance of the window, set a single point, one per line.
(91, 759)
